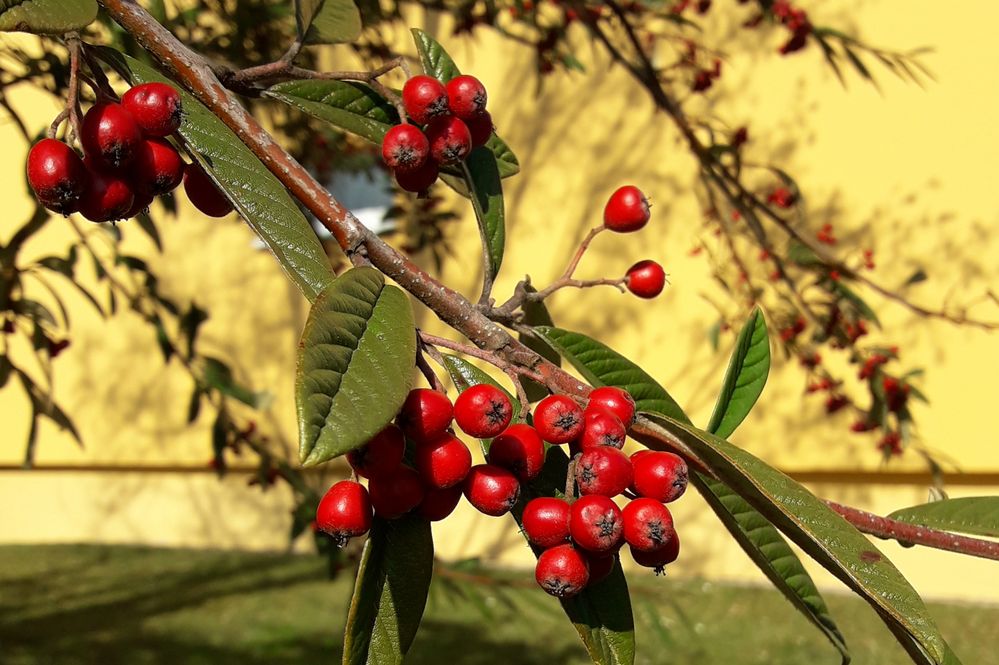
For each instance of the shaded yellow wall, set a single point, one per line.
(911, 170)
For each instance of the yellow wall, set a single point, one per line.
(911, 170)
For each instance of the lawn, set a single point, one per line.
(109, 605)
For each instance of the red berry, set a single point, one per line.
(450, 140)
(615, 400)
(110, 135)
(405, 148)
(156, 108)
(443, 461)
(596, 524)
(659, 475)
(519, 449)
(646, 279)
(344, 512)
(158, 166)
(381, 455)
(203, 193)
(546, 521)
(425, 415)
(481, 128)
(425, 98)
(108, 196)
(600, 566)
(395, 494)
(562, 571)
(558, 419)
(648, 525)
(491, 489)
(482, 411)
(439, 503)
(660, 558)
(601, 428)
(603, 470)
(420, 180)
(143, 198)
(627, 210)
(466, 96)
(57, 175)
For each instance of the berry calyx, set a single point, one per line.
(108, 197)
(658, 559)
(627, 210)
(110, 135)
(439, 503)
(380, 456)
(483, 411)
(659, 475)
(520, 450)
(419, 180)
(405, 148)
(603, 470)
(596, 524)
(562, 571)
(466, 96)
(615, 400)
(203, 193)
(425, 98)
(425, 415)
(395, 494)
(158, 166)
(481, 128)
(56, 175)
(156, 108)
(444, 461)
(601, 428)
(648, 525)
(491, 489)
(546, 521)
(646, 279)
(450, 140)
(344, 511)
(558, 419)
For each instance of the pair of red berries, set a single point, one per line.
(627, 210)
(455, 121)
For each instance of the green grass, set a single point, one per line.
(108, 605)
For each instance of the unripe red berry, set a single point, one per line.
(450, 140)
(420, 180)
(482, 411)
(558, 419)
(156, 108)
(395, 494)
(425, 98)
(344, 512)
(108, 196)
(204, 194)
(158, 166)
(439, 503)
(646, 279)
(443, 461)
(659, 475)
(481, 128)
(600, 566)
(546, 521)
(595, 524)
(601, 428)
(627, 210)
(381, 455)
(110, 135)
(425, 415)
(405, 148)
(466, 96)
(519, 449)
(57, 175)
(648, 525)
(562, 571)
(658, 559)
(491, 489)
(615, 400)
(603, 470)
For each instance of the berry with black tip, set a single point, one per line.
(546, 521)
(108, 196)
(381, 455)
(627, 210)
(425, 415)
(482, 411)
(439, 503)
(603, 470)
(596, 524)
(520, 449)
(615, 400)
(562, 571)
(558, 419)
(204, 194)
(648, 525)
(659, 475)
(344, 511)
(444, 461)
(491, 489)
(425, 98)
(450, 140)
(56, 175)
(395, 494)
(419, 180)
(481, 128)
(601, 428)
(405, 148)
(646, 279)
(110, 135)
(156, 108)
(658, 559)
(466, 96)
(158, 166)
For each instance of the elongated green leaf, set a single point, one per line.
(390, 593)
(537, 314)
(977, 515)
(46, 16)
(483, 180)
(848, 294)
(258, 196)
(353, 107)
(355, 360)
(465, 375)
(327, 21)
(745, 377)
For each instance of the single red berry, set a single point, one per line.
(395, 494)
(108, 196)
(558, 419)
(596, 524)
(627, 210)
(600, 566)
(646, 279)
(615, 400)
(482, 411)
(158, 166)
(156, 108)
(659, 475)
(562, 571)
(466, 96)
(381, 455)
(601, 428)
(520, 449)
(143, 198)
(481, 128)
(648, 525)
(203, 192)
(57, 175)
(658, 559)
(110, 135)
(443, 461)
(546, 521)
(344, 512)
(420, 180)
(603, 470)
(491, 489)
(450, 140)
(405, 148)
(425, 415)
(425, 98)
(439, 503)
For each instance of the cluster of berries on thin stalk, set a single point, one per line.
(627, 210)
(454, 121)
(128, 161)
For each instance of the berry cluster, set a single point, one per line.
(128, 161)
(454, 121)
(627, 210)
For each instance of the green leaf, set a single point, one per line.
(863, 309)
(506, 161)
(436, 61)
(46, 16)
(390, 594)
(327, 21)
(483, 180)
(258, 196)
(355, 361)
(977, 515)
(353, 107)
(745, 377)
(537, 314)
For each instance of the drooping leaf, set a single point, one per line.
(861, 306)
(483, 180)
(46, 16)
(327, 21)
(353, 107)
(355, 364)
(977, 515)
(745, 377)
(537, 314)
(218, 375)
